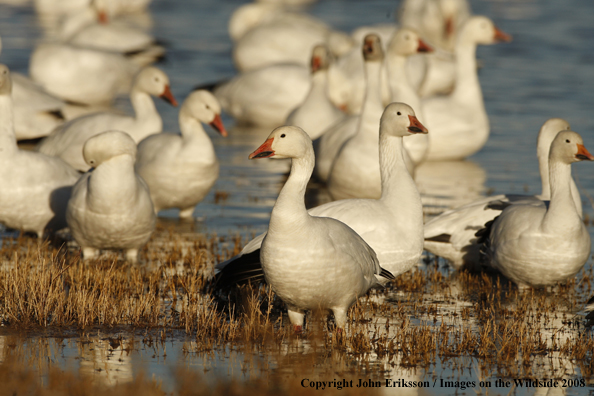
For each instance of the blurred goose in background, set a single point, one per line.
(458, 122)
(110, 207)
(355, 171)
(536, 245)
(330, 145)
(404, 43)
(451, 235)
(265, 96)
(181, 170)
(34, 188)
(286, 39)
(392, 225)
(68, 139)
(95, 28)
(84, 75)
(317, 113)
(301, 252)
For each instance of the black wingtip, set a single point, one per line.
(443, 238)
(241, 270)
(386, 274)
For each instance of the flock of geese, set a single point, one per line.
(361, 111)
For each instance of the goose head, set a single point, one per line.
(398, 119)
(285, 142)
(568, 147)
(154, 82)
(547, 134)
(372, 48)
(5, 81)
(108, 145)
(249, 16)
(320, 58)
(482, 30)
(203, 106)
(407, 42)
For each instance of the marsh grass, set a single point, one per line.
(425, 316)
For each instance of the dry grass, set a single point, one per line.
(424, 317)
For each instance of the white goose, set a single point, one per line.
(317, 113)
(181, 170)
(286, 39)
(34, 188)
(84, 75)
(355, 171)
(392, 225)
(541, 245)
(404, 43)
(458, 122)
(301, 252)
(334, 141)
(67, 140)
(266, 96)
(110, 207)
(93, 28)
(451, 235)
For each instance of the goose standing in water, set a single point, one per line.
(181, 170)
(392, 225)
(302, 253)
(451, 235)
(458, 122)
(111, 206)
(541, 245)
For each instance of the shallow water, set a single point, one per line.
(545, 72)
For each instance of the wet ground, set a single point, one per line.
(545, 72)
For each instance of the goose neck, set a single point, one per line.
(562, 213)
(144, 108)
(6, 115)
(195, 138)
(468, 86)
(399, 191)
(289, 209)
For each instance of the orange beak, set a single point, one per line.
(449, 26)
(583, 154)
(168, 96)
(102, 16)
(316, 64)
(264, 151)
(416, 126)
(423, 47)
(217, 124)
(501, 36)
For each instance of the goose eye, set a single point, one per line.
(566, 140)
(283, 135)
(399, 113)
(407, 37)
(157, 79)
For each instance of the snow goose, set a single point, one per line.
(317, 113)
(286, 40)
(451, 235)
(355, 171)
(110, 207)
(181, 170)
(265, 96)
(331, 144)
(458, 122)
(84, 75)
(93, 28)
(67, 140)
(392, 225)
(541, 245)
(404, 43)
(301, 252)
(34, 188)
